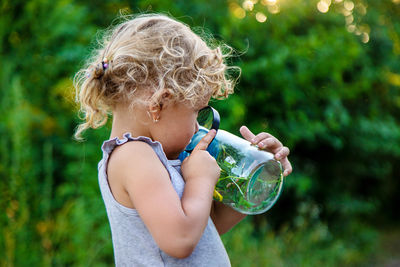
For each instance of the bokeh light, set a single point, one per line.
(237, 11)
(349, 5)
(352, 12)
(248, 5)
(274, 9)
(362, 8)
(365, 37)
(349, 19)
(260, 17)
(351, 27)
(268, 2)
(322, 7)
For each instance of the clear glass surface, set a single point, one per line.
(251, 179)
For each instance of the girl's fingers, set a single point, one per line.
(256, 139)
(282, 153)
(260, 137)
(246, 133)
(286, 166)
(271, 143)
(205, 141)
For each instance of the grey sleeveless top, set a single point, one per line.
(132, 242)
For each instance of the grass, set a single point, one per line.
(234, 189)
(311, 244)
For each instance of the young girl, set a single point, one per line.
(154, 74)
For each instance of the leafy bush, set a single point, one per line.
(325, 84)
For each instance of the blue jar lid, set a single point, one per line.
(213, 148)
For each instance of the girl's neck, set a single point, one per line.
(129, 121)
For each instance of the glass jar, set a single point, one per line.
(251, 179)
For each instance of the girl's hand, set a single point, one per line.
(269, 143)
(200, 163)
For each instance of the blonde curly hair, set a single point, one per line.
(151, 52)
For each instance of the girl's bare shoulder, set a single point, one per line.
(134, 154)
(129, 165)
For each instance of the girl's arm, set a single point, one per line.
(175, 224)
(225, 217)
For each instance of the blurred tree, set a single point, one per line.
(42, 43)
(323, 76)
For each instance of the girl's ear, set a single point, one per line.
(158, 101)
(154, 111)
(165, 97)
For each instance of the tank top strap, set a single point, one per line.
(172, 166)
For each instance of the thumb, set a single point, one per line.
(205, 141)
(246, 133)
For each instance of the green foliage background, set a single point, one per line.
(326, 89)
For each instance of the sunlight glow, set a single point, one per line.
(322, 7)
(365, 28)
(268, 2)
(346, 13)
(349, 5)
(260, 17)
(248, 5)
(349, 19)
(237, 11)
(347, 8)
(328, 2)
(274, 9)
(364, 37)
(351, 28)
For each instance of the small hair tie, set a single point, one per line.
(104, 63)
